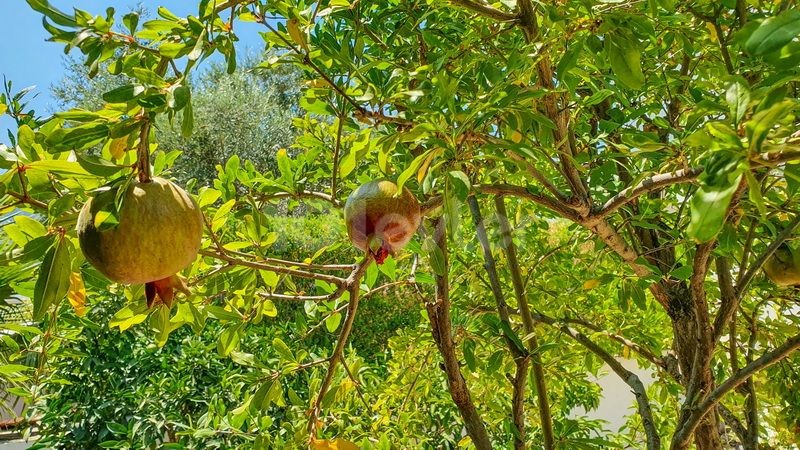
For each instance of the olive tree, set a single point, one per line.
(660, 134)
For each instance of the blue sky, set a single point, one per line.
(27, 59)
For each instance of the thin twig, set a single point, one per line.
(277, 269)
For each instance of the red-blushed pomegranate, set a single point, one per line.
(158, 235)
(378, 220)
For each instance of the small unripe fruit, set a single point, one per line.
(783, 267)
(378, 220)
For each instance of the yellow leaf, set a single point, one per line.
(713, 31)
(293, 25)
(3, 108)
(591, 284)
(77, 294)
(423, 170)
(516, 137)
(118, 147)
(333, 444)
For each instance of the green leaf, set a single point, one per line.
(494, 362)
(412, 169)
(762, 122)
(8, 369)
(181, 96)
(98, 166)
(187, 122)
(52, 283)
(229, 339)
(131, 21)
(31, 227)
(709, 208)
(208, 196)
(61, 168)
(52, 13)
(149, 77)
(754, 193)
(129, 315)
(682, 273)
(221, 216)
(625, 59)
(117, 428)
(773, 33)
(123, 94)
(283, 350)
(284, 165)
(435, 257)
(333, 321)
(77, 138)
(468, 348)
(461, 184)
(197, 50)
(171, 49)
(738, 98)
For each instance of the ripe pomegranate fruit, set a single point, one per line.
(159, 232)
(783, 267)
(378, 220)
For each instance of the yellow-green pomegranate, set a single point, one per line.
(379, 221)
(159, 232)
(783, 267)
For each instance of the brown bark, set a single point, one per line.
(439, 316)
(694, 359)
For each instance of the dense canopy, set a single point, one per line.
(599, 180)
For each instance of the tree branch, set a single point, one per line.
(557, 206)
(729, 301)
(732, 421)
(641, 351)
(439, 317)
(27, 199)
(518, 401)
(486, 10)
(684, 433)
(537, 175)
(337, 148)
(756, 266)
(491, 271)
(647, 185)
(545, 415)
(352, 284)
(272, 268)
(615, 242)
(306, 266)
(143, 151)
(630, 378)
(302, 194)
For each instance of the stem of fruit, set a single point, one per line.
(143, 152)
